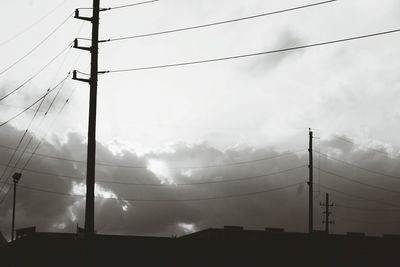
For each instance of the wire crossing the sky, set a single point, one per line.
(33, 24)
(34, 103)
(366, 209)
(239, 195)
(255, 54)
(36, 46)
(369, 148)
(230, 180)
(19, 159)
(36, 74)
(219, 22)
(360, 197)
(177, 168)
(361, 183)
(128, 5)
(358, 167)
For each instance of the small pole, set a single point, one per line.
(310, 184)
(16, 176)
(327, 213)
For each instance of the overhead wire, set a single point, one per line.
(61, 109)
(112, 181)
(33, 24)
(26, 131)
(359, 167)
(36, 74)
(358, 221)
(218, 22)
(254, 54)
(369, 148)
(62, 83)
(366, 209)
(360, 197)
(361, 183)
(230, 196)
(45, 114)
(34, 103)
(128, 5)
(172, 167)
(36, 46)
(53, 101)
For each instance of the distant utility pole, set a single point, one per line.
(310, 184)
(16, 177)
(91, 148)
(327, 213)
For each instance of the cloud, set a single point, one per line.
(286, 39)
(117, 212)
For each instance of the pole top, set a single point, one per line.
(16, 177)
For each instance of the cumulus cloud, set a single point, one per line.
(120, 209)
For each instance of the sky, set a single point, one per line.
(174, 123)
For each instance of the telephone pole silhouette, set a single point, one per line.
(310, 184)
(91, 147)
(327, 213)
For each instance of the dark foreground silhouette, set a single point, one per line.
(231, 246)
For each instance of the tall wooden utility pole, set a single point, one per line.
(310, 184)
(91, 147)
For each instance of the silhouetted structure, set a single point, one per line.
(3, 240)
(231, 246)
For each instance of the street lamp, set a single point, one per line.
(16, 177)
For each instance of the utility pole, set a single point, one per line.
(16, 177)
(91, 147)
(310, 184)
(327, 213)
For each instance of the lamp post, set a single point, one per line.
(16, 177)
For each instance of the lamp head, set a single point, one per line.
(16, 177)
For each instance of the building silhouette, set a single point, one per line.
(230, 246)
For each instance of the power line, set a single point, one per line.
(122, 6)
(359, 167)
(41, 122)
(18, 107)
(171, 200)
(360, 197)
(168, 185)
(361, 183)
(34, 103)
(177, 168)
(45, 114)
(353, 143)
(23, 152)
(61, 109)
(23, 136)
(254, 54)
(365, 222)
(129, 5)
(218, 23)
(21, 155)
(366, 209)
(33, 24)
(36, 74)
(36, 46)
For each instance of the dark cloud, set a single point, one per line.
(286, 39)
(285, 208)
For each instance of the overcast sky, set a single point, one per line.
(207, 114)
